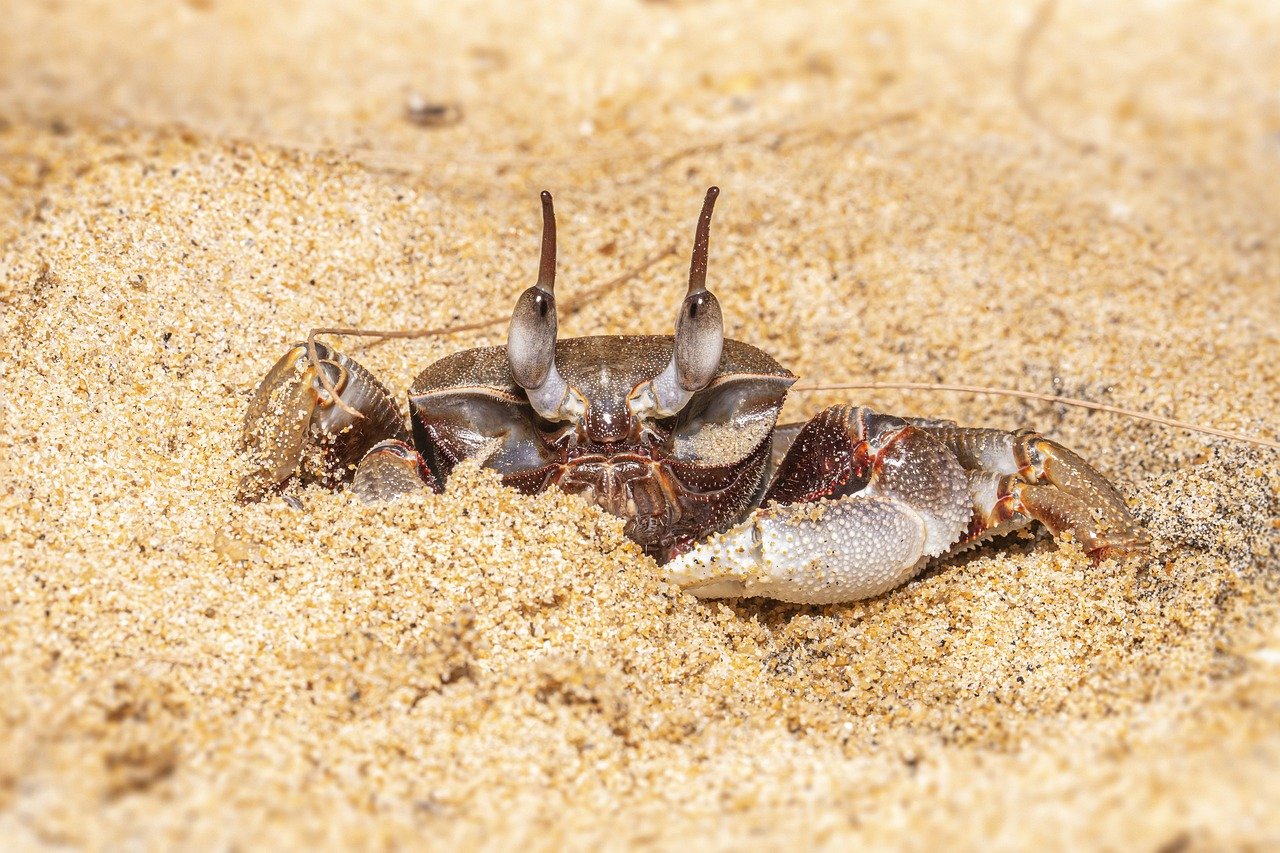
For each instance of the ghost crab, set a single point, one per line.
(678, 435)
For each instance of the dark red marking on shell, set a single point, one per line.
(827, 459)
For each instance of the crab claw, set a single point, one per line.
(295, 428)
(815, 553)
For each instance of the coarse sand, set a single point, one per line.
(1078, 198)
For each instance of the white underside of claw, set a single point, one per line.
(813, 553)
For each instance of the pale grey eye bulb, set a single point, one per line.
(531, 342)
(699, 340)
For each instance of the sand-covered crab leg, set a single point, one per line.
(295, 429)
(862, 501)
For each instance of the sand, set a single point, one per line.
(1080, 199)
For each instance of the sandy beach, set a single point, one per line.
(1077, 198)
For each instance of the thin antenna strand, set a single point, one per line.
(1047, 398)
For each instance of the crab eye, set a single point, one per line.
(699, 341)
(531, 340)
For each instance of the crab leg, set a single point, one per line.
(293, 427)
(1019, 477)
(858, 506)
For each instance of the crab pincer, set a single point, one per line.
(858, 506)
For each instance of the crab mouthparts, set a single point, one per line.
(631, 486)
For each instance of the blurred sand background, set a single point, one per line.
(1079, 198)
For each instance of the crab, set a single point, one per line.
(678, 435)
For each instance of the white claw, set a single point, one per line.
(814, 553)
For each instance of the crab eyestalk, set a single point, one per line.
(699, 339)
(531, 341)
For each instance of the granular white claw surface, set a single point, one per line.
(1084, 202)
(815, 553)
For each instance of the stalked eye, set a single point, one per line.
(699, 340)
(531, 340)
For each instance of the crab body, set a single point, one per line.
(678, 435)
(674, 479)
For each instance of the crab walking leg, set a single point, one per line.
(293, 428)
(858, 506)
(1018, 477)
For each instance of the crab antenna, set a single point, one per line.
(531, 340)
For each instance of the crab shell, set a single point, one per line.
(676, 479)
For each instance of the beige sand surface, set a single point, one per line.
(1082, 199)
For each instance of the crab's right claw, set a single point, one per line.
(294, 428)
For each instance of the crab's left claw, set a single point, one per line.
(859, 505)
(294, 427)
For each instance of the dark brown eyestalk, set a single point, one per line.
(699, 340)
(531, 341)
